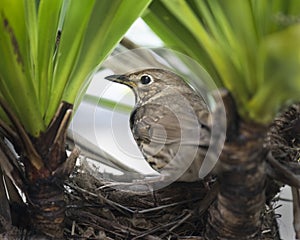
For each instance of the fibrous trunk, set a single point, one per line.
(242, 176)
(40, 170)
(47, 207)
(46, 192)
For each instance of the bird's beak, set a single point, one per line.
(120, 79)
(117, 78)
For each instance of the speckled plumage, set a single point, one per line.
(169, 122)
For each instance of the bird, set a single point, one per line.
(170, 122)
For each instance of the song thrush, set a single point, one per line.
(170, 122)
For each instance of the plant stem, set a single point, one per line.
(242, 176)
(47, 208)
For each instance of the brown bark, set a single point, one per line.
(45, 192)
(47, 208)
(43, 169)
(241, 171)
(242, 177)
(237, 212)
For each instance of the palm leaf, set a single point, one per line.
(232, 40)
(50, 48)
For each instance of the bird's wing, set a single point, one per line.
(169, 142)
(153, 123)
(158, 124)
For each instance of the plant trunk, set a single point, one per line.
(242, 176)
(45, 191)
(43, 169)
(47, 207)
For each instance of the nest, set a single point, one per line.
(284, 138)
(99, 210)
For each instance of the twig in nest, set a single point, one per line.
(296, 210)
(154, 230)
(107, 225)
(68, 165)
(188, 215)
(73, 228)
(142, 182)
(209, 198)
(165, 206)
(281, 173)
(115, 205)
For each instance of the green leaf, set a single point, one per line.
(15, 66)
(38, 67)
(179, 38)
(31, 48)
(280, 60)
(68, 50)
(107, 103)
(103, 33)
(227, 38)
(97, 32)
(48, 12)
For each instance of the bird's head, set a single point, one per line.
(147, 83)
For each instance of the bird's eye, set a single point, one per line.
(146, 79)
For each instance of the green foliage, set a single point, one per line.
(49, 48)
(107, 103)
(249, 46)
